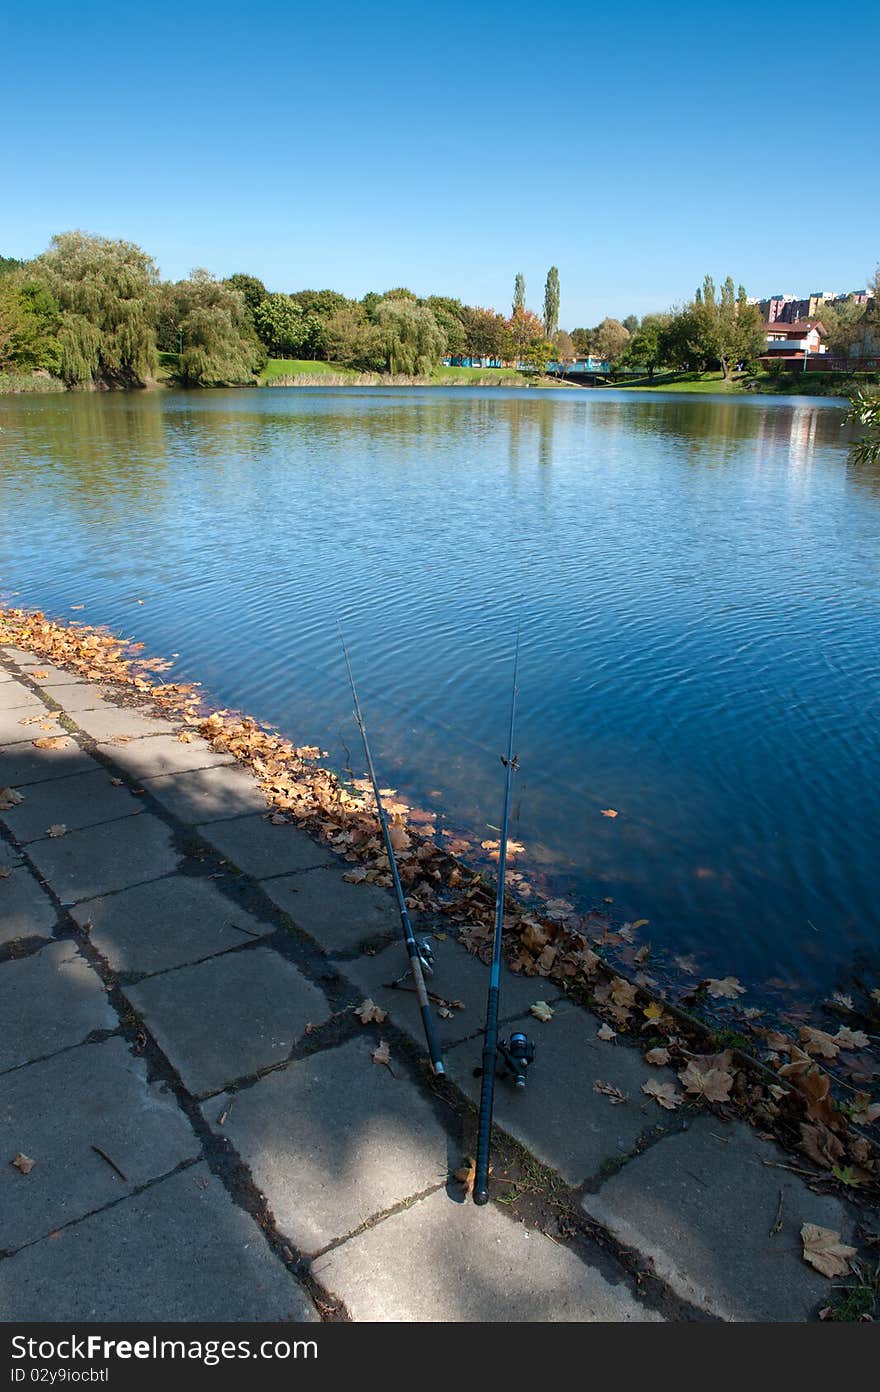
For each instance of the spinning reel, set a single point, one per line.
(516, 1055)
(425, 954)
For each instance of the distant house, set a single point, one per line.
(793, 343)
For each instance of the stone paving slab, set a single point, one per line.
(578, 1138)
(228, 1017)
(57, 1110)
(77, 696)
(84, 800)
(26, 911)
(97, 860)
(49, 1001)
(4, 675)
(181, 1249)
(457, 976)
(15, 726)
(334, 1139)
(338, 915)
(55, 676)
(446, 1262)
(22, 658)
(21, 764)
(158, 754)
(261, 849)
(117, 722)
(15, 696)
(9, 855)
(701, 1204)
(166, 923)
(208, 794)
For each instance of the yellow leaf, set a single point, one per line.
(608, 812)
(542, 1011)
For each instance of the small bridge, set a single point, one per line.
(588, 373)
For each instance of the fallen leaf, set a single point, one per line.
(653, 1011)
(5, 872)
(658, 1057)
(117, 782)
(50, 742)
(641, 923)
(664, 1093)
(613, 1093)
(851, 1039)
(727, 987)
(712, 1083)
(10, 797)
(466, 1174)
(381, 1054)
(58, 829)
(368, 1010)
(824, 1250)
(541, 1011)
(606, 1032)
(844, 1001)
(816, 1041)
(24, 1163)
(608, 812)
(39, 676)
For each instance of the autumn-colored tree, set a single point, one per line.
(523, 328)
(612, 340)
(484, 332)
(564, 348)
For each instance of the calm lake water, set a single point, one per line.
(699, 582)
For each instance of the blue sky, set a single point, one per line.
(360, 147)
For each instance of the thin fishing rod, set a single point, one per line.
(412, 947)
(490, 1038)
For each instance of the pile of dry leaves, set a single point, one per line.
(810, 1088)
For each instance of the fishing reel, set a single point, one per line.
(425, 954)
(517, 1054)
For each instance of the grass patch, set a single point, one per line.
(478, 376)
(302, 367)
(684, 382)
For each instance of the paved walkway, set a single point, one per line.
(180, 1057)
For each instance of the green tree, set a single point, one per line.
(583, 340)
(282, 327)
(563, 347)
(449, 314)
(209, 321)
(107, 295)
(539, 353)
(648, 345)
(519, 292)
(29, 322)
(551, 303)
(612, 340)
(484, 332)
(412, 340)
(253, 290)
(352, 340)
(9, 263)
(631, 323)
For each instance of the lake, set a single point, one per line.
(698, 580)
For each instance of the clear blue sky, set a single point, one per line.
(445, 148)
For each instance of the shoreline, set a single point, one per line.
(550, 942)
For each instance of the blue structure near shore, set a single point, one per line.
(582, 365)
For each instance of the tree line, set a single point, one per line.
(91, 310)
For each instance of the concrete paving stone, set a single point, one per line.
(457, 976)
(158, 754)
(75, 696)
(14, 730)
(166, 923)
(208, 794)
(57, 1110)
(49, 1001)
(84, 800)
(15, 696)
(228, 1017)
(116, 722)
(5, 676)
(338, 915)
(446, 1262)
(701, 1205)
(577, 1138)
(55, 676)
(332, 1140)
(261, 849)
(9, 855)
(21, 764)
(99, 860)
(19, 656)
(26, 911)
(179, 1250)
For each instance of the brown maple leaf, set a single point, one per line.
(658, 1057)
(851, 1039)
(368, 1010)
(663, 1093)
(824, 1250)
(711, 1083)
(821, 1145)
(466, 1174)
(726, 987)
(816, 1041)
(23, 1162)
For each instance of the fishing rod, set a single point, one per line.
(417, 961)
(518, 1052)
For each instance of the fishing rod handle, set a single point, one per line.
(487, 1098)
(415, 966)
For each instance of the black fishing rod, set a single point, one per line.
(412, 947)
(519, 1052)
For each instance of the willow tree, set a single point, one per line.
(551, 302)
(216, 342)
(107, 296)
(412, 340)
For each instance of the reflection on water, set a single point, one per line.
(698, 580)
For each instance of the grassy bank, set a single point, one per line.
(303, 372)
(752, 383)
(15, 383)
